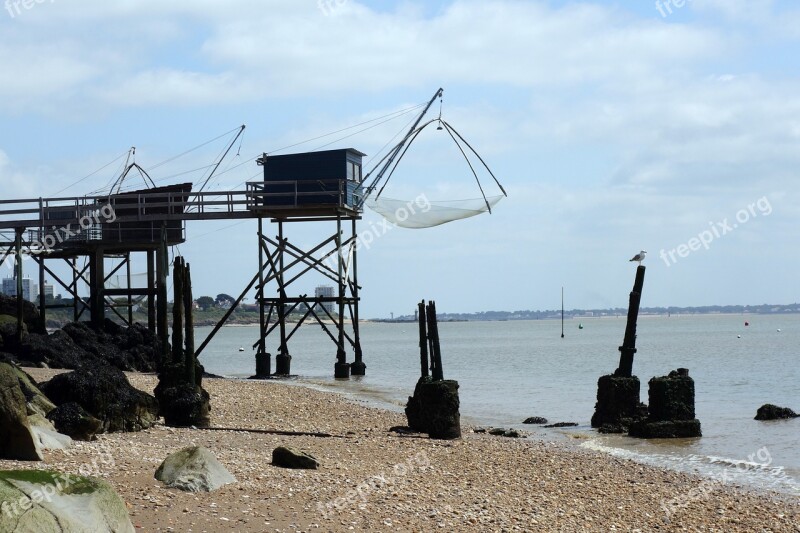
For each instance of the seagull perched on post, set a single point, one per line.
(639, 257)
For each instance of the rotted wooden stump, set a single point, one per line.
(434, 409)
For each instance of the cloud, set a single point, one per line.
(13, 183)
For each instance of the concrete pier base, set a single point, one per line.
(283, 364)
(617, 403)
(671, 408)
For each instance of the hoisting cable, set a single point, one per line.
(396, 150)
(414, 136)
(449, 127)
(489, 207)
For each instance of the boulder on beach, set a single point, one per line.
(769, 411)
(193, 469)
(17, 441)
(52, 502)
(35, 401)
(503, 432)
(46, 435)
(535, 420)
(8, 328)
(105, 393)
(290, 458)
(73, 420)
(562, 425)
(80, 344)
(30, 313)
(130, 349)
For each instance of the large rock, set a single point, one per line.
(16, 439)
(769, 411)
(535, 420)
(30, 314)
(46, 435)
(8, 328)
(131, 349)
(78, 344)
(52, 502)
(434, 409)
(36, 402)
(193, 469)
(73, 420)
(105, 393)
(290, 458)
(56, 350)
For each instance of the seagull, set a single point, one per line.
(638, 257)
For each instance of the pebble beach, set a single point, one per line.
(371, 479)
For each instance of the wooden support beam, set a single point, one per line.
(177, 310)
(628, 348)
(18, 274)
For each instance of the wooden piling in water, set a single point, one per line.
(437, 373)
(628, 348)
(190, 359)
(177, 312)
(423, 341)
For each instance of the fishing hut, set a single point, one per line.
(320, 188)
(89, 233)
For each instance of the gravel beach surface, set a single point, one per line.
(371, 479)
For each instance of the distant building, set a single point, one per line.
(48, 291)
(29, 289)
(325, 291)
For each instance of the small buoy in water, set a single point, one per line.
(746, 323)
(241, 349)
(779, 330)
(580, 326)
(738, 336)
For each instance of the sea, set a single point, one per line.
(511, 370)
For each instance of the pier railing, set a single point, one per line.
(252, 202)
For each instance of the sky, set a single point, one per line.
(614, 127)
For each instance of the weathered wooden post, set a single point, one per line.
(423, 341)
(628, 347)
(18, 274)
(190, 359)
(181, 397)
(177, 312)
(618, 402)
(433, 409)
(436, 353)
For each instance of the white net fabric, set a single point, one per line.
(121, 282)
(423, 213)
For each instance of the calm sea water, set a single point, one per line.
(509, 371)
